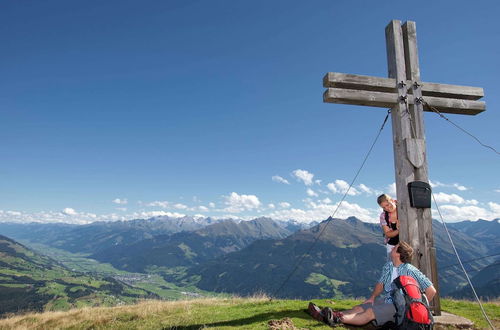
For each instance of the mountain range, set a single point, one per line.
(346, 260)
(101, 235)
(190, 248)
(280, 258)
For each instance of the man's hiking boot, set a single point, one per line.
(331, 317)
(315, 312)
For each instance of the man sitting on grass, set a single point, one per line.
(380, 311)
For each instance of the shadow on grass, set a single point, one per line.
(260, 318)
(255, 319)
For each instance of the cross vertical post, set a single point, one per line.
(424, 216)
(410, 159)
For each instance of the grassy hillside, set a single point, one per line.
(212, 313)
(152, 282)
(30, 281)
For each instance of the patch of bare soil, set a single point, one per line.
(283, 324)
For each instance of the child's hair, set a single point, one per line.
(383, 198)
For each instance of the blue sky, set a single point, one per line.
(128, 109)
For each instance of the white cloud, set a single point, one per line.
(340, 187)
(321, 211)
(368, 191)
(162, 204)
(364, 189)
(179, 206)
(311, 193)
(167, 205)
(459, 213)
(436, 184)
(150, 214)
(211, 205)
(277, 178)
(453, 213)
(391, 190)
(495, 208)
(123, 209)
(448, 198)
(120, 201)
(69, 211)
(453, 199)
(271, 206)
(13, 213)
(313, 210)
(203, 208)
(304, 176)
(238, 203)
(497, 190)
(69, 215)
(460, 187)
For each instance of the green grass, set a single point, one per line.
(213, 313)
(59, 304)
(327, 285)
(169, 291)
(472, 311)
(7, 285)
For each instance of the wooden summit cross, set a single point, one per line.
(407, 97)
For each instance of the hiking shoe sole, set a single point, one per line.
(331, 317)
(315, 312)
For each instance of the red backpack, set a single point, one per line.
(412, 307)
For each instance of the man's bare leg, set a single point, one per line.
(358, 316)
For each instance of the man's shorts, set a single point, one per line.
(384, 312)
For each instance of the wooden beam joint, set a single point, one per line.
(388, 100)
(388, 85)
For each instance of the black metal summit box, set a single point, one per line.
(420, 194)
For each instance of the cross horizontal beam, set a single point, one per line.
(388, 85)
(388, 100)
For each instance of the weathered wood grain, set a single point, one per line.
(417, 152)
(401, 130)
(388, 100)
(368, 98)
(380, 84)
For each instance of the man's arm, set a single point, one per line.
(423, 282)
(430, 292)
(379, 287)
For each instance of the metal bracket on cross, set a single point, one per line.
(383, 92)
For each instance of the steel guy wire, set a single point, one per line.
(461, 265)
(297, 264)
(412, 125)
(460, 128)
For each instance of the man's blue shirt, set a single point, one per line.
(403, 269)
